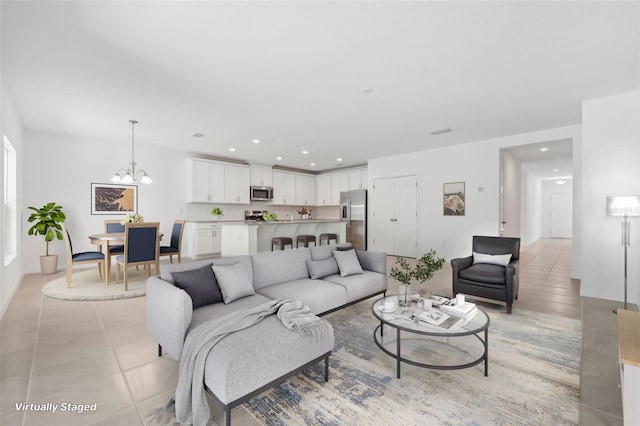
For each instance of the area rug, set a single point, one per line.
(534, 378)
(88, 285)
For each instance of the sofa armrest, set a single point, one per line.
(169, 312)
(375, 261)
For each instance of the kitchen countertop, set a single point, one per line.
(263, 222)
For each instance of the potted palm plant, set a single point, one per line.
(47, 223)
(422, 271)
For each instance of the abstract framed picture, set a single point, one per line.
(453, 199)
(112, 199)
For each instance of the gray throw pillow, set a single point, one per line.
(348, 262)
(322, 268)
(200, 284)
(234, 281)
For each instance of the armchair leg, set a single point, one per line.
(159, 350)
(509, 305)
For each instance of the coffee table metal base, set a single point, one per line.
(379, 332)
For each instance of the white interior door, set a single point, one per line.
(405, 213)
(561, 215)
(383, 215)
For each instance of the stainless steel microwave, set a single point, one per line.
(261, 193)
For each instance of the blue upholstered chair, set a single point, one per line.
(80, 258)
(113, 226)
(141, 247)
(175, 249)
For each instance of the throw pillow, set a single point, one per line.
(322, 268)
(234, 281)
(494, 259)
(200, 284)
(348, 263)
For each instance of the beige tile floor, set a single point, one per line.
(86, 352)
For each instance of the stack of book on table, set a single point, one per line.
(466, 310)
(431, 317)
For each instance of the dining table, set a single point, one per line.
(105, 241)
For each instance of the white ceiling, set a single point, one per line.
(291, 74)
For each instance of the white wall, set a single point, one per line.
(531, 209)
(512, 193)
(610, 166)
(10, 275)
(477, 164)
(62, 168)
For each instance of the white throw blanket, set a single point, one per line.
(190, 399)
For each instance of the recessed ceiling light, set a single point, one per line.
(232, 149)
(339, 160)
(278, 158)
(555, 170)
(544, 149)
(312, 164)
(561, 182)
(197, 135)
(305, 152)
(366, 90)
(256, 141)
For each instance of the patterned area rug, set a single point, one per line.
(534, 378)
(88, 285)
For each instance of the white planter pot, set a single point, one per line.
(49, 264)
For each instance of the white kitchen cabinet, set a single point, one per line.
(339, 183)
(358, 179)
(323, 190)
(284, 188)
(206, 179)
(202, 239)
(236, 184)
(395, 216)
(305, 190)
(261, 175)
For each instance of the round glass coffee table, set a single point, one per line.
(417, 343)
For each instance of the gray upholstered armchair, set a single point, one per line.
(492, 271)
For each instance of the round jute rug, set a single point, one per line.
(88, 285)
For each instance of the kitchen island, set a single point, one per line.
(250, 237)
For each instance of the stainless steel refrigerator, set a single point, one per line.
(353, 211)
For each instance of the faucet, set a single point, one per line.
(290, 216)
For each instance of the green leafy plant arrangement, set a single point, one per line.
(424, 269)
(47, 223)
(216, 211)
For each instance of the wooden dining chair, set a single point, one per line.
(112, 226)
(141, 247)
(175, 249)
(81, 258)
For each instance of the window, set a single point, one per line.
(10, 224)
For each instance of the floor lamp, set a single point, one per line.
(625, 206)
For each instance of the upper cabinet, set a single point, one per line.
(305, 190)
(323, 190)
(236, 184)
(284, 188)
(358, 179)
(261, 175)
(206, 180)
(218, 182)
(339, 183)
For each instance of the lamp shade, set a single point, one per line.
(623, 205)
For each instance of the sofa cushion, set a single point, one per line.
(200, 284)
(274, 267)
(360, 285)
(348, 262)
(325, 252)
(322, 268)
(484, 272)
(168, 269)
(319, 295)
(234, 281)
(493, 259)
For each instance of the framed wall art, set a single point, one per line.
(112, 199)
(453, 199)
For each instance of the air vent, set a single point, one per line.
(197, 135)
(440, 132)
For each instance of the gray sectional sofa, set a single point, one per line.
(252, 360)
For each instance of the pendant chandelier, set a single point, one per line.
(130, 175)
